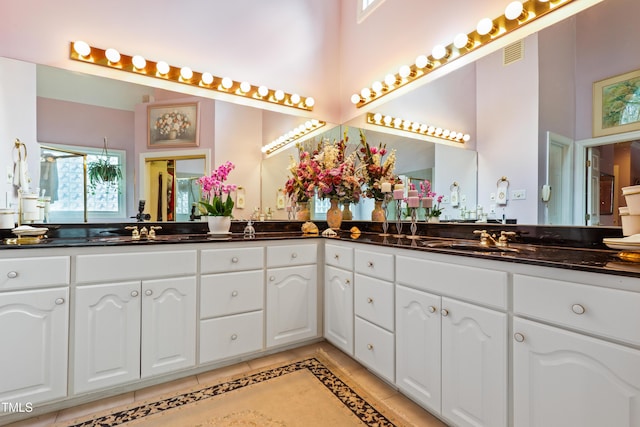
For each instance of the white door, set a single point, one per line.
(593, 186)
(560, 179)
(33, 355)
(168, 325)
(338, 308)
(107, 335)
(291, 304)
(418, 325)
(474, 365)
(561, 379)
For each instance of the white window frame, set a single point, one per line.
(366, 7)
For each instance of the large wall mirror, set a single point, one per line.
(569, 57)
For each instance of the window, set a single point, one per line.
(365, 7)
(64, 182)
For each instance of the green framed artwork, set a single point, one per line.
(616, 104)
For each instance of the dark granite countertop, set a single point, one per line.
(576, 248)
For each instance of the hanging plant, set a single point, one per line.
(103, 172)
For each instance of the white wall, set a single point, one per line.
(456, 165)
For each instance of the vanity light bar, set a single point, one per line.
(292, 136)
(516, 15)
(111, 58)
(416, 127)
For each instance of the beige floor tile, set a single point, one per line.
(97, 406)
(170, 387)
(214, 376)
(271, 359)
(412, 412)
(45, 420)
(374, 386)
(309, 350)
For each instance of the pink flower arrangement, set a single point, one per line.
(214, 187)
(337, 176)
(426, 193)
(373, 171)
(301, 185)
(173, 121)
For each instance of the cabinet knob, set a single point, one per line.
(578, 309)
(59, 301)
(370, 300)
(347, 282)
(134, 293)
(234, 293)
(234, 337)
(432, 309)
(369, 346)
(148, 292)
(234, 260)
(12, 274)
(272, 278)
(370, 264)
(518, 337)
(336, 256)
(444, 312)
(294, 255)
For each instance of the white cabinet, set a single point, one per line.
(33, 359)
(451, 356)
(563, 378)
(338, 297)
(126, 330)
(291, 294)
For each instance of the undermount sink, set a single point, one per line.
(158, 238)
(468, 246)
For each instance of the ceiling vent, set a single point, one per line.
(512, 53)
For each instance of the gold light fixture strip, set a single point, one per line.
(486, 31)
(81, 51)
(417, 128)
(293, 136)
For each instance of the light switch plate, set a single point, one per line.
(492, 197)
(518, 194)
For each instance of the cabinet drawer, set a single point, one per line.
(232, 259)
(338, 256)
(374, 264)
(230, 336)
(375, 348)
(231, 293)
(20, 273)
(132, 266)
(610, 312)
(468, 283)
(374, 301)
(284, 256)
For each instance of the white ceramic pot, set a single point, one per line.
(6, 219)
(219, 225)
(632, 196)
(630, 223)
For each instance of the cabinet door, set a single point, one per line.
(168, 325)
(418, 346)
(338, 308)
(474, 365)
(291, 304)
(107, 335)
(33, 359)
(561, 378)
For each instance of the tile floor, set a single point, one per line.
(379, 389)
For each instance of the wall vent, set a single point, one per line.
(512, 53)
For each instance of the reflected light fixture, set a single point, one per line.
(417, 128)
(517, 13)
(292, 136)
(111, 58)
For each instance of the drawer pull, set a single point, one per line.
(234, 260)
(12, 274)
(370, 264)
(294, 255)
(444, 312)
(59, 301)
(272, 278)
(518, 337)
(370, 300)
(432, 309)
(347, 282)
(369, 346)
(336, 256)
(234, 293)
(234, 337)
(578, 309)
(134, 293)
(148, 292)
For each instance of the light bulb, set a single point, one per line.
(139, 62)
(186, 73)
(439, 52)
(162, 67)
(390, 80)
(438, 131)
(461, 41)
(415, 126)
(365, 93)
(446, 133)
(309, 102)
(263, 91)
(377, 87)
(397, 122)
(315, 122)
(466, 137)
(431, 130)
(82, 48)
(387, 120)
(355, 98)
(112, 55)
(407, 124)
(422, 61)
(377, 117)
(207, 78)
(404, 71)
(295, 99)
(227, 83)
(279, 95)
(423, 128)
(485, 26)
(513, 10)
(308, 124)
(245, 87)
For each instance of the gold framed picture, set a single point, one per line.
(173, 125)
(616, 104)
